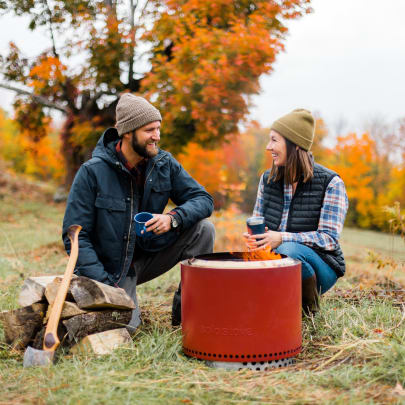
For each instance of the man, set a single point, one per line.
(128, 174)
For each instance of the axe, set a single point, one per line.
(35, 357)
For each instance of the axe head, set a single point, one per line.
(34, 357)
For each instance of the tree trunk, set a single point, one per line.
(73, 154)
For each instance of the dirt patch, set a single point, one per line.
(391, 291)
(153, 315)
(22, 188)
(46, 251)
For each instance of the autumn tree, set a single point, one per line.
(208, 167)
(197, 60)
(396, 184)
(38, 158)
(353, 159)
(248, 161)
(231, 171)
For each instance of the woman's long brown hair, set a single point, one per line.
(300, 164)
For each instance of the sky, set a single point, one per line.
(345, 61)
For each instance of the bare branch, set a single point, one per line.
(39, 99)
(143, 8)
(94, 99)
(132, 49)
(48, 10)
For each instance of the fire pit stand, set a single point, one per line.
(241, 314)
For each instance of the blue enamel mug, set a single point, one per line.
(140, 220)
(256, 225)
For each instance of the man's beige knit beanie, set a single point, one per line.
(133, 112)
(298, 126)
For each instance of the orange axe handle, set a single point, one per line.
(51, 340)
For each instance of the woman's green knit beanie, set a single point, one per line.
(298, 127)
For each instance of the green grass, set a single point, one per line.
(354, 348)
(355, 244)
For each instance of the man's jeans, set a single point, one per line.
(197, 240)
(311, 264)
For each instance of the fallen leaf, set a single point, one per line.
(399, 390)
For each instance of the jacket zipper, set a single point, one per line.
(129, 231)
(148, 175)
(130, 222)
(151, 170)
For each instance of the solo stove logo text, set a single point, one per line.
(213, 330)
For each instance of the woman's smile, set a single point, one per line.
(278, 148)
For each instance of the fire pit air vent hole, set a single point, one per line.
(262, 357)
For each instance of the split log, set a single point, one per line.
(103, 342)
(51, 290)
(90, 294)
(69, 310)
(33, 290)
(21, 325)
(93, 322)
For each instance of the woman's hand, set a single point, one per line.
(269, 239)
(159, 224)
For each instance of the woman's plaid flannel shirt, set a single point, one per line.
(333, 213)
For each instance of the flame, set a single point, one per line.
(262, 254)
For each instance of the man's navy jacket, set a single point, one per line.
(103, 200)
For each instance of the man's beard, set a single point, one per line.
(142, 150)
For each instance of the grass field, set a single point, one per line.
(354, 348)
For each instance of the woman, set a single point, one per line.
(304, 205)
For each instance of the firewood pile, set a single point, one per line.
(93, 317)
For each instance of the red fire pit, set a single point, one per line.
(241, 311)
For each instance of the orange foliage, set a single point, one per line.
(35, 156)
(206, 166)
(43, 158)
(396, 186)
(371, 180)
(229, 226)
(353, 160)
(198, 61)
(219, 50)
(49, 72)
(231, 171)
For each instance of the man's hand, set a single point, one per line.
(269, 239)
(159, 224)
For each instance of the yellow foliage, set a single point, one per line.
(396, 187)
(10, 149)
(39, 158)
(43, 159)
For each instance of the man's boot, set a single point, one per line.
(310, 296)
(176, 308)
